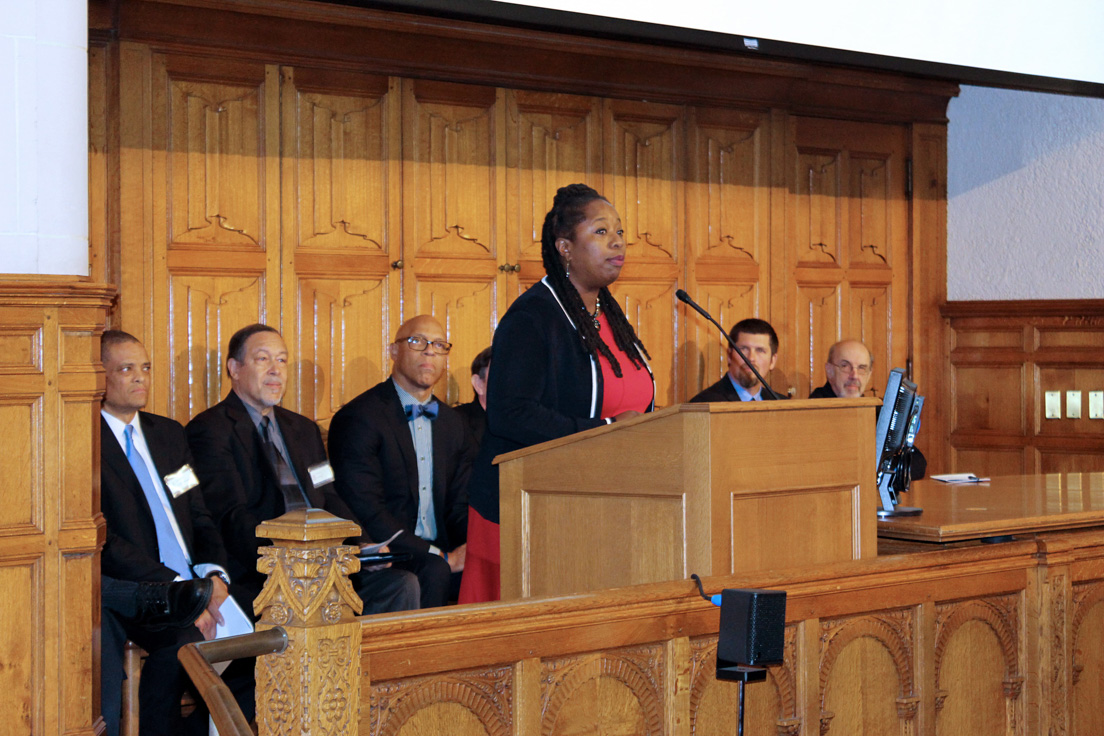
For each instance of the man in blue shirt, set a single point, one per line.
(757, 340)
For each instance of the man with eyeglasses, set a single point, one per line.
(848, 370)
(402, 461)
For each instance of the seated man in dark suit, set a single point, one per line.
(158, 530)
(758, 341)
(474, 412)
(402, 460)
(258, 460)
(849, 369)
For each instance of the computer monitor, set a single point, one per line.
(894, 435)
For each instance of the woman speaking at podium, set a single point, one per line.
(564, 359)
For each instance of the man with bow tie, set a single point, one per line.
(401, 461)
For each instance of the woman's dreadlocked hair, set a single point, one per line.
(560, 222)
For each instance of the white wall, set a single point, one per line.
(1025, 214)
(44, 136)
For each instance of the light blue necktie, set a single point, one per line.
(171, 553)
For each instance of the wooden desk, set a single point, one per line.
(1013, 504)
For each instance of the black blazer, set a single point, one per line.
(377, 473)
(240, 486)
(543, 385)
(723, 390)
(131, 551)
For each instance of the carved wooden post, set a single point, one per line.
(313, 687)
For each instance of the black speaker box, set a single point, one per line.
(752, 627)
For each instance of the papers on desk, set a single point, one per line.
(959, 478)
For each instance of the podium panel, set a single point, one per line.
(705, 488)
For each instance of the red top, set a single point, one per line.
(634, 390)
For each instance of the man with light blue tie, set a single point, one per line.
(402, 459)
(158, 530)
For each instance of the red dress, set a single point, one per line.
(634, 390)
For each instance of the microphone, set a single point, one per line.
(684, 297)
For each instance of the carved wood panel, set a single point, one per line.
(467, 703)
(728, 233)
(846, 231)
(205, 311)
(454, 216)
(611, 692)
(979, 667)
(552, 140)
(1086, 633)
(342, 170)
(869, 660)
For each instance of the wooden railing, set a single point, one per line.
(981, 639)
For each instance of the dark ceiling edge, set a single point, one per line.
(504, 13)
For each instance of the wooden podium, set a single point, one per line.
(706, 488)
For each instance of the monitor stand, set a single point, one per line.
(896, 511)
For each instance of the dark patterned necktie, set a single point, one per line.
(289, 486)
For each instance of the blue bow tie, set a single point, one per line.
(414, 411)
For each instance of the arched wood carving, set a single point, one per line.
(640, 669)
(1085, 597)
(1000, 614)
(486, 694)
(895, 630)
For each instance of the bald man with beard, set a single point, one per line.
(401, 461)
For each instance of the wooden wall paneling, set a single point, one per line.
(102, 159)
(50, 525)
(929, 338)
(342, 231)
(847, 248)
(211, 261)
(454, 201)
(645, 165)
(134, 308)
(728, 235)
(552, 140)
(1005, 357)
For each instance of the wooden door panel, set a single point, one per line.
(847, 229)
(454, 217)
(342, 232)
(206, 310)
(451, 158)
(727, 234)
(341, 345)
(643, 149)
(467, 309)
(648, 305)
(552, 140)
(215, 172)
(213, 250)
(340, 141)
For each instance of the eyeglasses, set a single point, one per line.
(858, 370)
(419, 344)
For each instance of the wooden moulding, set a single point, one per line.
(987, 637)
(443, 48)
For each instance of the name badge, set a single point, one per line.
(321, 474)
(181, 481)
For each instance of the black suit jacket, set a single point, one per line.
(131, 551)
(377, 473)
(723, 390)
(240, 486)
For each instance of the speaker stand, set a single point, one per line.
(741, 674)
